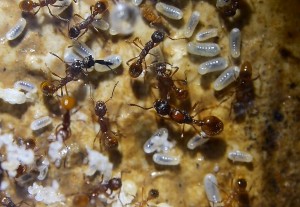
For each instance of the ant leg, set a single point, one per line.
(141, 106)
(37, 10)
(57, 57)
(77, 15)
(136, 44)
(131, 60)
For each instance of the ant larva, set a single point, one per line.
(99, 8)
(110, 142)
(210, 125)
(152, 194)
(29, 6)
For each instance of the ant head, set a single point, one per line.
(135, 70)
(100, 108)
(158, 36)
(26, 5)
(212, 125)
(246, 71)
(48, 87)
(101, 6)
(115, 183)
(89, 61)
(161, 67)
(67, 102)
(153, 193)
(241, 184)
(162, 107)
(74, 32)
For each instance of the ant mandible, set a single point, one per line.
(99, 8)
(110, 142)
(210, 125)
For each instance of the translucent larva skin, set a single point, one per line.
(235, 42)
(227, 77)
(212, 190)
(239, 156)
(25, 86)
(169, 11)
(207, 34)
(151, 144)
(166, 159)
(116, 61)
(82, 49)
(101, 24)
(213, 65)
(197, 140)
(16, 30)
(203, 49)
(40, 123)
(191, 24)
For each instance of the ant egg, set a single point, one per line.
(213, 65)
(227, 77)
(101, 24)
(137, 2)
(207, 34)
(212, 190)
(25, 86)
(151, 144)
(192, 23)
(165, 159)
(16, 30)
(235, 42)
(82, 49)
(239, 156)
(12, 96)
(197, 140)
(169, 11)
(116, 61)
(40, 123)
(203, 49)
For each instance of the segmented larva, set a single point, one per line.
(191, 24)
(212, 190)
(40, 123)
(227, 77)
(169, 11)
(16, 30)
(203, 49)
(166, 159)
(235, 42)
(213, 65)
(239, 156)
(207, 34)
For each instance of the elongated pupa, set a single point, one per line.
(16, 30)
(235, 42)
(40, 123)
(169, 11)
(207, 34)
(213, 65)
(191, 24)
(239, 156)
(212, 190)
(166, 159)
(227, 77)
(203, 49)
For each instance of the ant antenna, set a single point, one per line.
(141, 106)
(57, 57)
(112, 93)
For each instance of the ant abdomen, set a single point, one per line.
(135, 69)
(212, 125)
(162, 107)
(26, 5)
(110, 142)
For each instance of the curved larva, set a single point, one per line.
(116, 61)
(40, 123)
(203, 49)
(197, 140)
(227, 77)
(213, 65)
(212, 190)
(169, 11)
(191, 24)
(235, 42)
(16, 30)
(166, 159)
(239, 156)
(207, 34)
(25, 86)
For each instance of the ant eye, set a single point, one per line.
(153, 193)
(241, 183)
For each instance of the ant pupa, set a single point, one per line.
(109, 141)
(99, 8)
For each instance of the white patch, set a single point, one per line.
(127, 194)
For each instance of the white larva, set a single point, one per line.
(197, 140)
(137, 2)
(25, 86)
(169, 11)
(207, 34)
(151, 145)
(235, 42)
(227, 77)
(203, 49)
(116, 61)
(166, 159)
(191, 24)
(16, 30)
(239, 156)
(212, 190)
(213, 65)
(82, 49)
(40, 123)
(100, 24)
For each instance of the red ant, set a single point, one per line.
(29, 5)
(110, 142)
(99, 8)
(238, 194)
(210, 125)
(152, 194)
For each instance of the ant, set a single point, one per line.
(210, 125)
(110, 142)
(6, 201)
(99, 8)
(29, 5)
(152, 194)
(73, 72)
(230, 7)
(63, 129)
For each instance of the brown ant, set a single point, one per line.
(110, 142)
(29, 6)
(152, 194)
(210, 125)
(99, 8)
(229, 9)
